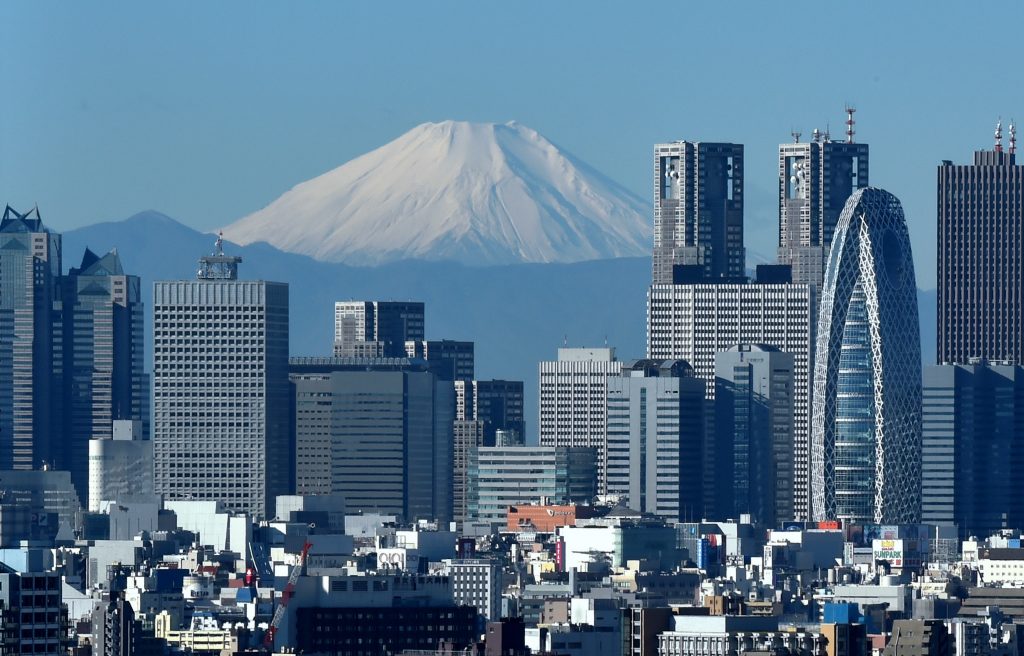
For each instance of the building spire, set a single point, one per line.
(850, 110)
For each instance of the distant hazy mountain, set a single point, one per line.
(517, 314)
(476, 193)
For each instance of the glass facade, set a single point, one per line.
(866, 403)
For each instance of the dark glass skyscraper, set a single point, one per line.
(866, 406)
(698, 209)
(981, 258)
(30, 361)
(972, 423)
(104, 380)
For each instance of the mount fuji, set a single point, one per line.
(474, 193)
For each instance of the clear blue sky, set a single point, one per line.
(207, 111)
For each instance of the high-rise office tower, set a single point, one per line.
(698, 209)
(483, 410)
(866, 415)
(754, 432)
(815, 179)
(376, 329)
(448, 359)
(104, 379)
(655, 424)
(981, 257)
(30, 361)
(694, 322)
(378, 432)
(574, 401)
(220, 388)
(972, 420)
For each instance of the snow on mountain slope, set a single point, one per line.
(477, 193)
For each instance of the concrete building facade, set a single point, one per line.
(220, 388)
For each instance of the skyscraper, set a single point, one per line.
(754, 431)
(866, 415)
(573, 401)
(220, 388)
(377, 431)
(104, 379)
(655, 420)
(972, 423)
(815, 179)
(698, 209)
(981, 257)
(694, 322)
(376, 328)
(30, 360)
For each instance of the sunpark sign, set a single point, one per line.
(890, 551)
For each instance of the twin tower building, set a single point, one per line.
(841, 303)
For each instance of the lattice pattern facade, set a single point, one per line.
(866, 403)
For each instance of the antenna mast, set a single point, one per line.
(850, 110)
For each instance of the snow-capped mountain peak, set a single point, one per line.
(478, 193)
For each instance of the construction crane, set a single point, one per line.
(286, 596)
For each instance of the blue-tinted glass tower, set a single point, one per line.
(866, 404)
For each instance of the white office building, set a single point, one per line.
(120, 466)
(574, 400)
(693, 322)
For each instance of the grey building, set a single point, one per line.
(120, 465)
(981, 258)
(500, 477)
(114, 628)
(698, 209)
(448, 359)
(220, 388)
(574, 401)
(866, 418)
(477, 582)
(376, 431)
(693, 322)
(972, 421)
(376, 328)
(655, 425)
(48, 494)
(104, 379)
(754, 429)
(484, 409)
(815, 179)
(30, 360)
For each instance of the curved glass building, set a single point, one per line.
(866, 403)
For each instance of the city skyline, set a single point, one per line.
(141, 118)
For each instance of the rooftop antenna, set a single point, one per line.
(565, 340)
(999, 135)
(1013, 137)
(828, 134)
(816, 135)
(796, 136)
(850, 110)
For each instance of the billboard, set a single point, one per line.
(398, 559)
(890, 551)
